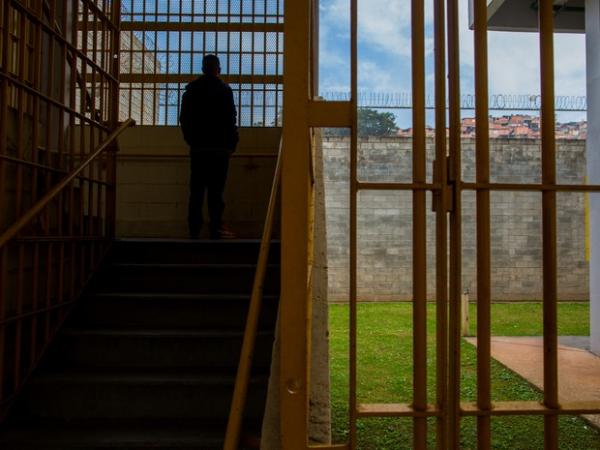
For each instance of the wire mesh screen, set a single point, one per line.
(204, 11)
(163, 43)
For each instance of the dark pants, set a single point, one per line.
(209, 172)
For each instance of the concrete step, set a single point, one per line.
(185, 251)
(148, 357)
(115, 435)
(168, 349)
(184, 278)
(148, 395)
(167, 310)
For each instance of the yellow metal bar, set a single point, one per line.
(546, 26)
(186, 78)
(330, 114)
(455, 287)
(295, 193)
(532, 187)
(482, 152)
(199, 26)
(419, 250)
(238, 402)
(353, 322)
(441, 225)
(398, 410)
(329, 447)
(523, 408)
(416, 186)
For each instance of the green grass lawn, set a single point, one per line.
(385, 375)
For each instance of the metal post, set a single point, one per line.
(455, 290)
(419, 269)
(441, 223)
(546, 26)
(294, 364)
(353, 404)
(482, 150)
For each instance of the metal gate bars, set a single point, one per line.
(304, 112)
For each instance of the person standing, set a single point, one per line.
(208, 120)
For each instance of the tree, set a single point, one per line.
(375, 123)
(370, 123)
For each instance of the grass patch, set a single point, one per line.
(385, 375)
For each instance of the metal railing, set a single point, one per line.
(238, 402)
(58, 121)
(36, 292)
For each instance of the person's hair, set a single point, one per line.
(210, 64)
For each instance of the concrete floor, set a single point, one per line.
(578, 369)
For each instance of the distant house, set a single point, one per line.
(518, 126)
(523, 132)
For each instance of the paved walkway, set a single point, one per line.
(578, 369)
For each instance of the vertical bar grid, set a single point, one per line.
(447, 190)
(53, 106)
(247, 38)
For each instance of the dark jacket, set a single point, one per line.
(207, 116)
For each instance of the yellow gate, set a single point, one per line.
(304, 112)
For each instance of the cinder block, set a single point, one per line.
(385, 219)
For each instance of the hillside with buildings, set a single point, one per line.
(517, 126)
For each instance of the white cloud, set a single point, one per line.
(334, 56)
(514, 60)
(385, 25)
(569, 64)
(382, 24)
(331, 52)
(373, 78)
(384, 58)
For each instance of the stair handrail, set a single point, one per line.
(12, 231)
(238, 402)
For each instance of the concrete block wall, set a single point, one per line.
(153, 182)
(385, 221)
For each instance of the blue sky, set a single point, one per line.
(384, 54)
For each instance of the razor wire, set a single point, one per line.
(497, 102)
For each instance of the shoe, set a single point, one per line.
(223, 232)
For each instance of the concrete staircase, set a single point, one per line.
(148, 357)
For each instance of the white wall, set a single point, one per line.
(592, 25)
(153, 182)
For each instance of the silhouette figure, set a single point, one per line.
(208, 121)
